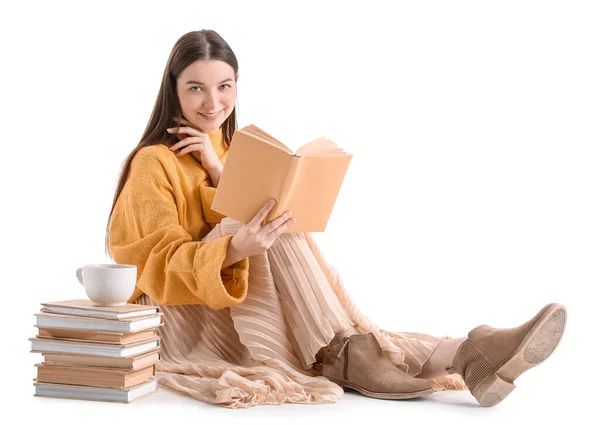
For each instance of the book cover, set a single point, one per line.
(259, 167)
(93, 376)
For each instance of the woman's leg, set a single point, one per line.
(491, 359)
(441, 359)
(312, 310)
(289, 300)
(321, 353)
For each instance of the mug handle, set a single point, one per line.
(80, 275)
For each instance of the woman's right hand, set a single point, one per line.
(252, 238)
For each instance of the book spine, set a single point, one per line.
(287, 188)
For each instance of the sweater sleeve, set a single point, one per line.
(207, 196)
(172, 268)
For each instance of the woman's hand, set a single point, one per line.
(198, 143)
(252, 238)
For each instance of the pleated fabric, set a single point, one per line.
(262, 351)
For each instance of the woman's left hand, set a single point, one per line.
(198, 143)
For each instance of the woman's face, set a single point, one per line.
(207, 87)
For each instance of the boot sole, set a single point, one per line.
(384, 396)
(536, 347)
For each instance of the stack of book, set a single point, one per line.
(96, 353)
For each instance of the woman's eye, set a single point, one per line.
(198, 87)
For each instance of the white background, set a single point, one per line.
(472, 196)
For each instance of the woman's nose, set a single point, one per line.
(209, 99)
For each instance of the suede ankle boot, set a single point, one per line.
(358, 362)
(490, 359)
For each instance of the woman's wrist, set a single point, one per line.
(215, 174)
(232, 256)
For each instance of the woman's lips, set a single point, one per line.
(210, 117)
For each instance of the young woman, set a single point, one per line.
(254, 315)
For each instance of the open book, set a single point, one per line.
(259, 167)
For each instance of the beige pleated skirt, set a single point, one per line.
(262, 351)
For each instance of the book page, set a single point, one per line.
(262, 135)
(320, 146)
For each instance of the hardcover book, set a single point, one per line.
(93, 376)
(85, 307)
(106, 337)
(78, 392)
(61, 321)
(44, 345)
(134, 362)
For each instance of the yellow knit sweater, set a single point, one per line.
(157, 225)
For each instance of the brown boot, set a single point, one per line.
(490, 359)
(359, 363)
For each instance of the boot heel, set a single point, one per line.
(492, 390)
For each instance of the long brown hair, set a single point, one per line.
(195, 45)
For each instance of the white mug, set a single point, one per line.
(108, 285)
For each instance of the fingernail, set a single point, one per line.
(169, 129)
(271, 202)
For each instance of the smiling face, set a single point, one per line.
(207, 93)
